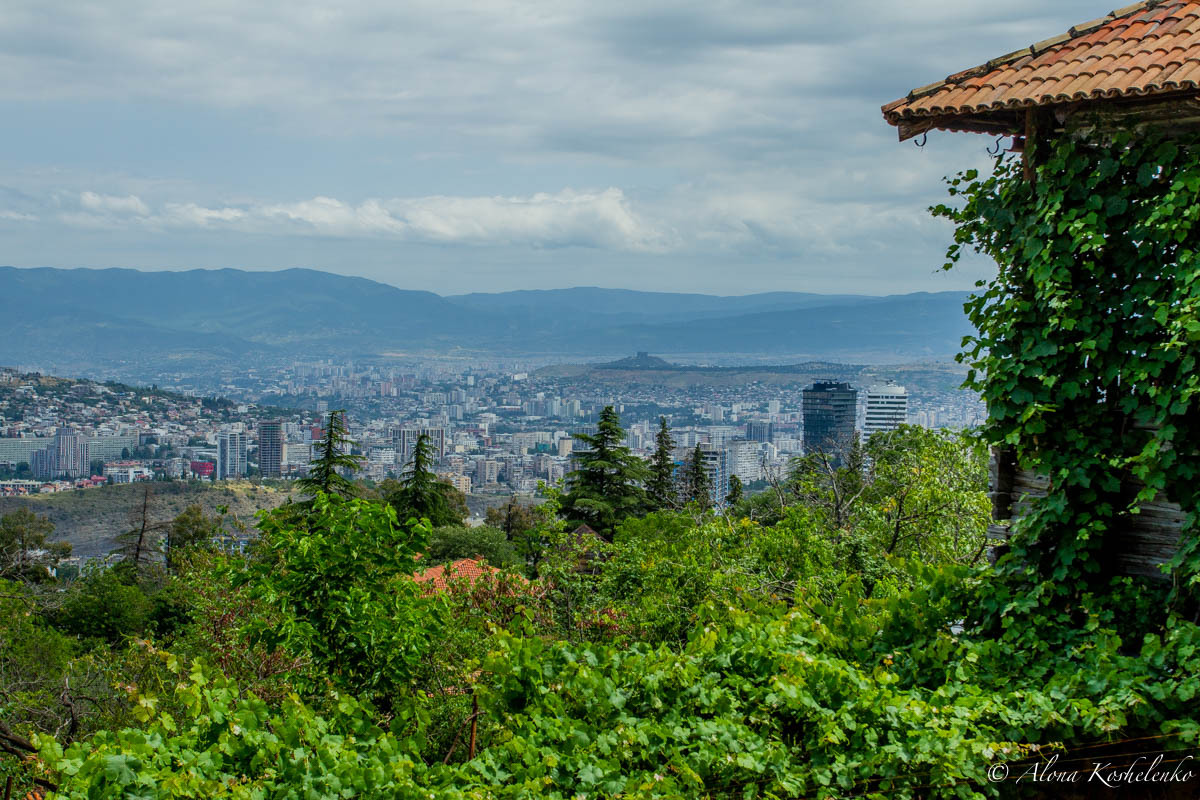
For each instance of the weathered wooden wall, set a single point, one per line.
(1139, 545)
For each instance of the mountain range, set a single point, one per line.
(69, 317)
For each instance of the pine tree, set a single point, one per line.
(421, 494)
(661, 488)
(607, 486)
(696, 479)
(735, 491)
(334, 457)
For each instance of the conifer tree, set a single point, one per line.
(608, 485)
(735, 491)
(333, 458)
(421, 494)
(696, 479)
(661, 488)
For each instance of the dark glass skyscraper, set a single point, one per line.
(270, 449)
(829, 409)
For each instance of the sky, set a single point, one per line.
(705, 146)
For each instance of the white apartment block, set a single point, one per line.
(887, 408)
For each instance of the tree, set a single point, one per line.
(192, 528)
(453, 542)
(24, 552)
(422, 495)
(661, 487)
(139, 546)
(342, 575)
(735, 491)
(607, 486)
(927, 495)
(696, 488)
(334, 457)
(513, 518)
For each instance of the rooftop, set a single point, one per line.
(1146, 50)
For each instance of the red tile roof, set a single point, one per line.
(1150, 48)
(469, 569)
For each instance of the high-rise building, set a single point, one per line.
(270, 448)
(231, 455)
(67, 456)
(758, 431)
(887, 408)
(716, 467)
(746, 460)
(829, 409)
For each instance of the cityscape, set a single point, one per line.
(495, 432)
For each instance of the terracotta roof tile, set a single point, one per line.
(468, 569)
(1147, 48)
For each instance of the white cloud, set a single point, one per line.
(108, 204)
(600, 219)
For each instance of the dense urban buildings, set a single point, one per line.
(495, 429)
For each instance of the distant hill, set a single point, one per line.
(81, 320)
(640, 361)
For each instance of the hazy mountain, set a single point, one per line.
(272, 308)
(920, 325)
(58, 316)
(624, 306)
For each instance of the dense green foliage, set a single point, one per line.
(340, 577)
(25, 553)
(1088, 339)
(453, 542)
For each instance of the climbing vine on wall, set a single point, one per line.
(1088, 339)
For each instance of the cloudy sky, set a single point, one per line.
(709, 146)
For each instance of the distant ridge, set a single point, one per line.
(80, 320)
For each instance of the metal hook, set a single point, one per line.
(924, 139)
(996, 152)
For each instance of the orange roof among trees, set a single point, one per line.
(1150, 50)
(468, 569)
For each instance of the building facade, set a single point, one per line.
(887, 408)
(829, 410)
(231, 455)
(270, 448)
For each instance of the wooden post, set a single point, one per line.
(8, 788)
(474, 724)
(1030, 144)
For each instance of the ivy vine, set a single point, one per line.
(1087, 343)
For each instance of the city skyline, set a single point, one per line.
(480, 148)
